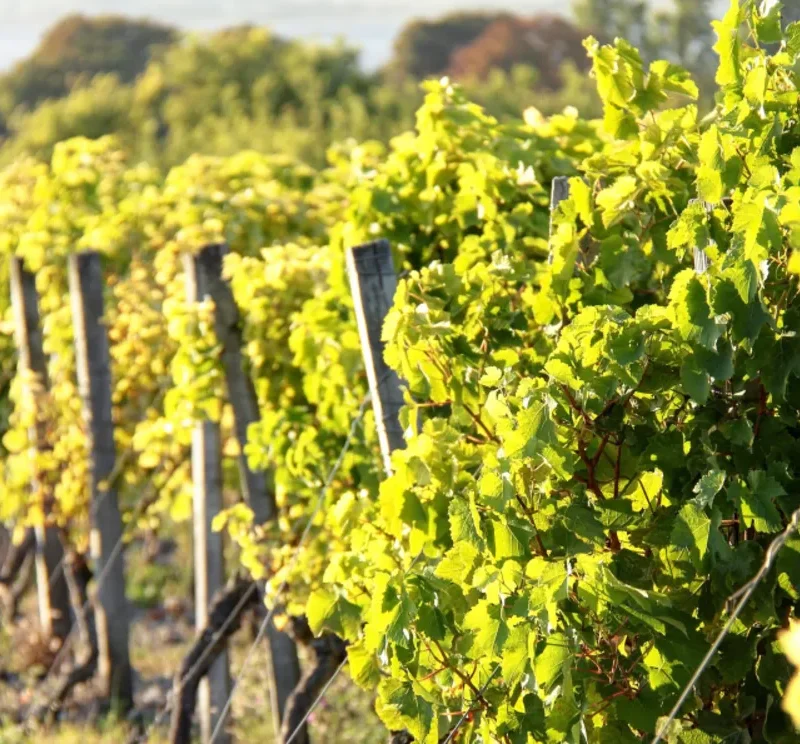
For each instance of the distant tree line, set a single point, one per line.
(167, 95)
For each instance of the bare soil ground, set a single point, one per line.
(161, 632)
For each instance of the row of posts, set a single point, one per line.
(373, 281)
(94, 380)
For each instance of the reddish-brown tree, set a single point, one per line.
(544, 42)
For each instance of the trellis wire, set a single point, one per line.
(463, 718)
(59, 569)
(743, 594)
(319, 698)
(228, 620)
(89, 603)
(316, 702)
(267, 619)
(265, 623)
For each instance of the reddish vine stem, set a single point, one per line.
(432, 674)
(591, 480)
(479, 422)
(601, 449)
(529, 513)
(463, 677)
(592, 484)
(575, 407)
(676, 418)
(616, 473)
(762, 409)
(626, 691)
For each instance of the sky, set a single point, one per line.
(370, 25)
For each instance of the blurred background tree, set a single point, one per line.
(76, 49)
(167, 94)
(609, 19)
(424, 49)
(545, 43)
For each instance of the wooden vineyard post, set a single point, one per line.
(209, 560)
(559, 190)
(52, 590)
(373, 282)
(93, 362)
(241, 391)
(258, 492)
(700, 257)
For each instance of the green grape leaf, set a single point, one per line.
(552, 661)
(326, 610)
(708, 487)
(692, 532)
(465, 523)
(458, 563)
(757, 501)
(728, 45)
(690, 308)
(768, 26)
(489, 628)
(695, 380)
(404, 705)
(617, 199)
(363, 667)
(508, 540)
(516, 654)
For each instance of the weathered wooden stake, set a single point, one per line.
(373, 282)
(241, 391)
(699, 256)
(209, 560)
(52, 590)
(112, 615)
(255, 484)
(559, 190)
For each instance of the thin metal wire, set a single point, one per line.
(743, 595)
(90, 601)
(265, 623)
(112, 480)
(319, 697)
(228, 620)
(336, 673)
(316, 702)
(224, 713)
(57, 571)
(463, 718)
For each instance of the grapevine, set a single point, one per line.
(601, 431)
